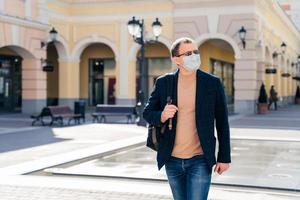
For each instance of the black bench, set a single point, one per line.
(113, 110)
(39, 117)
(59, 113)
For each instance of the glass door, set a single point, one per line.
(225, 71)
(10, 83)
(96, 82)
(228, 81)
(5, 92)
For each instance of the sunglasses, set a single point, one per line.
(188, 53)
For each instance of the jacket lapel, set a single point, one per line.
(174, 96)
(175, 86)
(200, 94)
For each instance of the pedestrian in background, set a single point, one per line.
(273, 98)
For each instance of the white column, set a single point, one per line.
(2, 6)
(69, 80)
(28, 13)
(246, 85)
(123, 65)
(34, 86)
(42, 11)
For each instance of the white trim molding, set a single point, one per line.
(21, 51)
(85, 42)
(135, 47)
(23, 22)
(61, 46)
(207, 36)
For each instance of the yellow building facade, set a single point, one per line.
(95, 59)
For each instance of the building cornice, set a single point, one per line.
(272, 5)
(24, 22)
(80, 3)
(180, 12)
(210, 3)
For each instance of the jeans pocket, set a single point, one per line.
(173, 168)
(200, 166)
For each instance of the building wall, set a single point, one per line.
(21, 31)
(273, 33)
(81, 24)
(20, 8)
(107, 29)
(200, 20)
(292, 9)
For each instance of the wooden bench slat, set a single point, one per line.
(58, 113)
(113, 110)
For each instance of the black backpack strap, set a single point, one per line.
(170, 97)
(170, 86)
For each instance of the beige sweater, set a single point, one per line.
(187, 143)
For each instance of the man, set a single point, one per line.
(188, 149)
(273, 98)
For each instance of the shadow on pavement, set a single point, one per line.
(27, 139)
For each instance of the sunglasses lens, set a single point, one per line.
(192, 52)
(188, 53)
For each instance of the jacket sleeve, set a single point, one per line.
(152, 112)
(222, 125)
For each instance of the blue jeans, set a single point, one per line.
(189, 178)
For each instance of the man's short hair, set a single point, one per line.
(175, 46)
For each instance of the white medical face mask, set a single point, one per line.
(192, 62)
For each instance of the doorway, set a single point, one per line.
(10, 83)
(225, 71)
(96, 82)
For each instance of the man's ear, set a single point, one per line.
(175, 60)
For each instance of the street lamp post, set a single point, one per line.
(46, 65)
(242, 34)
(52, 38)
(296, 70)
(136, 30)
(283, 50)
(297, 66)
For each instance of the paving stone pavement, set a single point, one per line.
(21, 192)
(8, 192)
(38, 142)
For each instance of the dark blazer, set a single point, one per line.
(210, 107)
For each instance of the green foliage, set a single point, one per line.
(263, 98)
(298, 92)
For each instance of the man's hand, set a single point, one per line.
(168, 112)
(221, 167)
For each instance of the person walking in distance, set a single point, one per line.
(273, 98)
(187, 149)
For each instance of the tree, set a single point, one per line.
(298, 92)
(263, 98)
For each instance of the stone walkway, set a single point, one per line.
(24, 148)
(64, 188)
(43, 193)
